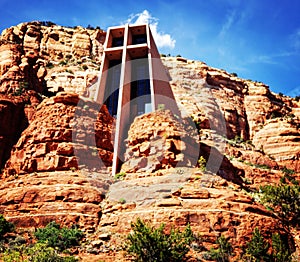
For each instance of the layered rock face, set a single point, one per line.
(68, 197)
(280, 140)
(33, 54)
(182, 196)
(221, 103)
(65, 133)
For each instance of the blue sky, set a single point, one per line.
(257, 39)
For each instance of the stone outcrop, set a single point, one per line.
(68, 197)
(182, 196)
(66, 132)
(30, 51)
(280, 139)
(15, 114)
(158, 141)
(221, 103)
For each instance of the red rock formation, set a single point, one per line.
(68, 197)
(233, 107)
(161, 184)
(203, 200)
(15, 113)
(64, 133)
(280, 139)
(157, 141)
(29, 49)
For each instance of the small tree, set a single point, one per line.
(284, 201)
(39, 252)
(281, 251)
(202, 163)
(5, 226)
(258, 248)
(149, 244)
(223, 252)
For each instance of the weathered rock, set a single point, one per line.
(15, 113)
(157, 141)
(32, 49)
(66, 133)
(210, 211)
(68, 197)
(221, 102)
(280, 139)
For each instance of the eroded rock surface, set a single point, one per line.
(159, 140)
(66, 133)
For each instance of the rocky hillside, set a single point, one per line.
(202, 169)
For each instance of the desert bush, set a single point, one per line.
(281, 251)
(39, 252)
(202, 163)
(5, 226)
(223, 252)
(257, 247)
(284, 201)
(56, 237)
(149, 244)
(120, 176)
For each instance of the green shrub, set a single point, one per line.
(5, 226)
(149, 244)
(85, 67)
(120, 175)
(202, 163)
(284, 201)
(287, 171)
(122, 200)
(281, 251)
(49, 65)
(223, 252)
(63, 63)
(262, 166)
(61, 238)
(257, 247)
(23, 86)
(38, 253)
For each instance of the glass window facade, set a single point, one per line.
(112, 86)
(139, 39)
(140, 87)
(117, 41)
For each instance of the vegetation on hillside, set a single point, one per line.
(50, 242)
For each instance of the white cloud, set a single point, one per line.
(161, 39)
(296, 40)
(228, 23)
